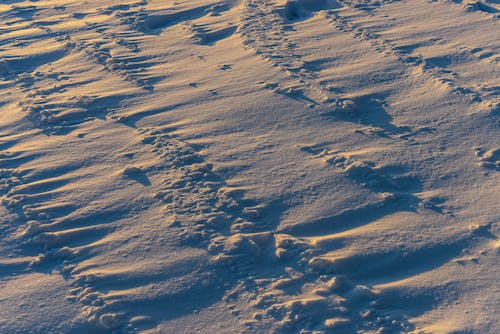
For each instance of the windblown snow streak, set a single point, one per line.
(288, 166)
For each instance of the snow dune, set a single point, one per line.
(253, 166)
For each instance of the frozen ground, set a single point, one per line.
(249, 166)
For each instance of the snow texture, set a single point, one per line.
(249, 166)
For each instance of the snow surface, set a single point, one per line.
(249, 166)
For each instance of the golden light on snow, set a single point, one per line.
(291, 166)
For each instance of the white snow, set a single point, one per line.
(253, 166)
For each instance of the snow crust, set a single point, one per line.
(249, 166)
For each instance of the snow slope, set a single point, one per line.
(249, 166)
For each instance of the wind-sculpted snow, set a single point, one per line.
(275, 166)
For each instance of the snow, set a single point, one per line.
(253, 166)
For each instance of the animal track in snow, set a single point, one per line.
(444, 77)
(273, 46)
